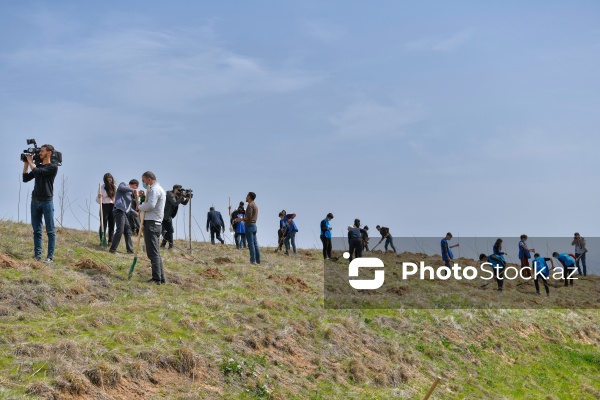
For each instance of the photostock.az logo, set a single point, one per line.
(367, 262)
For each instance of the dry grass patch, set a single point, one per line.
(212, 273)
(104, 374)
(73, 382)
(87, 263)
(7, 261)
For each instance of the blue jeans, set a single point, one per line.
(583, 264)
(291, 236)
(389, 241)
(45, 209)
(252, 243)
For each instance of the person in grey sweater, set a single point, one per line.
(123, 199)
(214, 222)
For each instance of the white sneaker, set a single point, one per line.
(48, 261)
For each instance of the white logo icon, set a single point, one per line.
(367, 262)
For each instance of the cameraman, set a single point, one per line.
(41, 199)
(174, 199)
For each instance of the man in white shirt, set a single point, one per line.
(154, 207)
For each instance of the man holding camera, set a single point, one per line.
(41, 199)
(175, 197)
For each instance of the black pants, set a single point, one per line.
(569, 271)
(152, 231)
(167, 230)
(280, 238)
(356, 246)
(215, 232)
(544, 281)
(134, 223)
(107, 219)
(365, 246)
(499, 276)
(326, 247)
(122, 225)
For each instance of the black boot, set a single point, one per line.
(163, 244)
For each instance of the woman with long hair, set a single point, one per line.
(107, 197)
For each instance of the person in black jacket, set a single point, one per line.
(41, 200)
(365, 238)
(174, 199)
(355, 240)
(214, 221)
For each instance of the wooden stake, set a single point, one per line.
(435, 383)
(190, 211)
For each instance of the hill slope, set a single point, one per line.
(224, 329)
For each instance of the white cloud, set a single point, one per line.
(162, 70)
(368, 119)
(442, 45)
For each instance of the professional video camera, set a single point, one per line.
(34, 151)
(187, 193)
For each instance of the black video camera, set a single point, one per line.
(187, 193)
(34, 151)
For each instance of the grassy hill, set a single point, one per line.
(224, 329)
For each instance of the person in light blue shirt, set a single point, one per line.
(541, 271)
(326, 236)
(569, 264)
(498, 264)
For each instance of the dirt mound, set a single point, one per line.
(7, 261)
(87, 263)
(222, 260)
(212, 273)
(290, 280)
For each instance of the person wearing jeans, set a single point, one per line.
(123, 202)
(43, 209)
(385, 234)
(250, 224)
(41, 199)
(580, 250)
(290, 236)
(154, 208)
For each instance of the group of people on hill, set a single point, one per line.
(121, 207)
(540, 271)
(358, 238)
(122, 204)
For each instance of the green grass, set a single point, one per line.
(252, 334)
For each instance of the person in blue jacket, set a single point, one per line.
(498, 264)
(446, 252)
(290, 234)
(326, 236)
(570, 265)
(541, 271)
(239, 227)
(524, 256)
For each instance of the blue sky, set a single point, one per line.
(479, 118)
